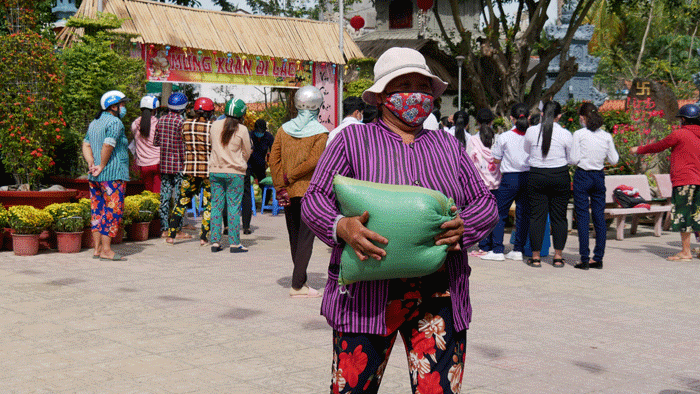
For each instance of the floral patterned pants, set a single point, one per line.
(106, 206)
(227, 191)
(189, 188)
(168, 183)
(435, 351)
(686, 208)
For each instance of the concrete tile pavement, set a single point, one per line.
(181, 319)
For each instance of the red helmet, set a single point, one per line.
(203, 104)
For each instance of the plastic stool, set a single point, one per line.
(196, 204)
(252, 201)
(274, 206)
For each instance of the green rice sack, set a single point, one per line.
(408, 216)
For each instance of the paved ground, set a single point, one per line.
(181, 319)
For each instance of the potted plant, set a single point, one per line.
(4, 226)
(137, 216)
(27, 223)
(68, 223)
(88, 241)
(151, 202)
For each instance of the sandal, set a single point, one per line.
(534, 263)
(678, 257)
(215, 247)
(238, 249)
(558, 263)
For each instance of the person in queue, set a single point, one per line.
(684, 143)
(105, 149)
(548, 146)
(509, 154)
(479, 150)
(591, 147)
(172, 154)
(353, 108)
(298, 146)
(147, 155)
(257, 167)
(228, 164)
(196, 133)
(432, 313)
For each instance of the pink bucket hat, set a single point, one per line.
(396, 62)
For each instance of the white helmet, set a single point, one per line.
(149, 102)
(308, 97)
(112, 97)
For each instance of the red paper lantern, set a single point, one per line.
(357, 22)
(425, 5)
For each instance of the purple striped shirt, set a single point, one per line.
(372, 152)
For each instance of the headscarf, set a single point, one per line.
(306, 124)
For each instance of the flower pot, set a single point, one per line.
(69, 242)
(119, 238)
(87, 241)
(154, 229)
(139, 231)
(25, 244)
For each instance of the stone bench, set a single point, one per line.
(612, 210)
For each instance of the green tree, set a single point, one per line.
(93, 66)
(498, 67)
(32, 121)
(655, 40)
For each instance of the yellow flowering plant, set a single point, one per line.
(68, 217)
(4, 217)
(136, 209)
(25, 219)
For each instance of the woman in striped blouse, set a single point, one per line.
(432, 313)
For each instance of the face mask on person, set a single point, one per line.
(122, 112)
(259, 134)
(412, 108)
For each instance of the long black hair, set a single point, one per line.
(461, 119)
(551, 110)
(145, 127)
(519, 112)
(593, 118)
(484, 117)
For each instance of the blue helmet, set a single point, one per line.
(689, 111)
(177, 101)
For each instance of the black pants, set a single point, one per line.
(247, 204)
(301, 241)
(549, 190)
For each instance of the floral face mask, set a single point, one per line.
(412, 108)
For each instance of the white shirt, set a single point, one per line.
(509, 149)
(590, 149)
(431, 123)
(347, 121)
(559, 154)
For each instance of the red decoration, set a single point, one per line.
(357, 22)
(425, 5)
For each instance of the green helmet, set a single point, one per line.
(235, 107)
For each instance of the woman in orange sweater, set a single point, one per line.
(298, 146)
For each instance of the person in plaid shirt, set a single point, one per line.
(195, 172)
(172, 153)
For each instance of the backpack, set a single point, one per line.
(628, 197)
